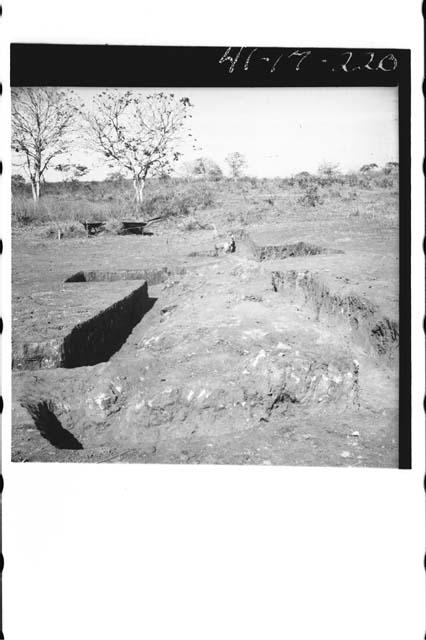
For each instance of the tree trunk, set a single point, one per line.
(139, 185)
(35, 187)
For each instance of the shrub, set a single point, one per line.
(63, 231)
(335, 193)
(192, 224)
(384, 183)
(204, 198)
(251, 180)
(206, 168)
(352, 179)
(311, 197)
(303, 179)
(182, 203)
(165, 206)
(352, 195)
(17, 180)
(364, 183)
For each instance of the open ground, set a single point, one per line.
(284, 352)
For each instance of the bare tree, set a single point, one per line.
(138, 134)
(41, 119)
(236, 163)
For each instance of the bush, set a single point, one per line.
(204, 197)
(287, 182)
(335, 193)
(182, 203)
(205, 168)
(64, 230)
(384, 183)
(352, 180)
(352, 195)
(303, 179)
(329, 180)
(109, 200)
(364, 183)
(165, 205)
(311, 197)
(192, 224)
(251, 180)
(17, 181)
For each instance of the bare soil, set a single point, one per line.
(282, 358)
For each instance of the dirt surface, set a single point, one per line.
(225, 367)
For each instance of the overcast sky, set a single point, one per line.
(282, 131)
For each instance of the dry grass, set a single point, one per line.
(191, 205)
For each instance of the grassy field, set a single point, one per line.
(194, 204)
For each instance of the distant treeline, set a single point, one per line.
(368, 175)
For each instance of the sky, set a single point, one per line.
(283, 130)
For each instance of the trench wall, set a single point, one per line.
(368, 326)
(89, 342)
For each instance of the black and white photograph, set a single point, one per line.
(207, 275)
(212, 300)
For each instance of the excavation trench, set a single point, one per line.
(239, 384)
(91, 323)
(88, 342)
(151, 276)
(48, 424)
(368, 327)
(286, 250)
(96, 340)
